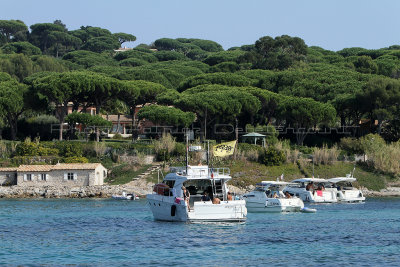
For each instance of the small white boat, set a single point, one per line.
(345, 192)
(313, 190)
(308, 210)
(167, 202)
(269, 197)
(125, 196)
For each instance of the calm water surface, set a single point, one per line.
(106, 232)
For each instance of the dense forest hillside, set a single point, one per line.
(193, 82)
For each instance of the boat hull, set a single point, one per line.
(275, 205)
(317, 196)
(165, 208)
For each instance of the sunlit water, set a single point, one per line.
(109, 232)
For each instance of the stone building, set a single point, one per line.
(73, 174)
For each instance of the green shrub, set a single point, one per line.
(180, 149)
(75, 160)
(68, 149)
(351, 145)
(273, 157)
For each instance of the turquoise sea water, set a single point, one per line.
(109, 232)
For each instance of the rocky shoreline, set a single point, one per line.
(105, 191)
(140, 188)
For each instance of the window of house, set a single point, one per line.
(70, 176)
(43, 177)
(29, 177)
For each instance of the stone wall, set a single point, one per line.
(56, 178)
(104, 191)
(8, 178)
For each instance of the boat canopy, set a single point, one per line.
(198, 172)
(342, 179)
(307, 180)
(273, 183)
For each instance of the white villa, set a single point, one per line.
(74, 174)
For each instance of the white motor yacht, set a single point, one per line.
(168, 204)
(269, 197)
(314, 190)
(345, 192)
(125, 196)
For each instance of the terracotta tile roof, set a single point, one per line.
(58, 166)
(8, 169)
(114, 118)
(75, 166)
(34, 168)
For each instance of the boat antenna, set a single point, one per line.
(208, 152)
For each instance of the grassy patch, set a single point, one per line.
(250, 173)
(124, 173)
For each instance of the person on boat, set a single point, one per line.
(186, 196)
(310, 186)
(321, 187)
(287, 195)
(275, 195)
(229, 196)
(216, 200)
(205, 196)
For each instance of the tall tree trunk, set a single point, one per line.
(13, 127)
(118, 122)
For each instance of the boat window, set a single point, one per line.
(197, 187)
(169, 183)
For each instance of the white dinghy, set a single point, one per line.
(313, 190)
(269, 197)
(345, 191)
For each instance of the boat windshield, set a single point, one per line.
(197, 187)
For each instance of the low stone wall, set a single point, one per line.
(105, 191)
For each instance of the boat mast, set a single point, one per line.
(187, 150)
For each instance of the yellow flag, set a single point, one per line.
(224, 149)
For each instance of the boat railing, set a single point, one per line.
(219, 171)
(202, 172)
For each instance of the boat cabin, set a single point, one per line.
(197, 180)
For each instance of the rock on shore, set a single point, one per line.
(104, 191)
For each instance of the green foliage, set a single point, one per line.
(351, 145)
(89, 59)
(138, 54)
(224, 56)
(169, 55)
(10, 29)
(18, 66)
(87, 119)
(75, 159)
(166, 115)
(124, 37)
(101, 43)
(364, 64)
(132, 62)
(225, 67)
(38, 126)
(68, 149)
(215, 78)
(124, 173)
(273, 157)
(21, 48)
(28, 148)
(279, 53)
